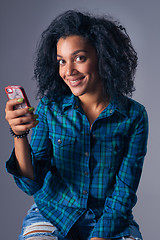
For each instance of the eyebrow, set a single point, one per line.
(75, 52)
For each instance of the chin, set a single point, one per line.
(78, 94)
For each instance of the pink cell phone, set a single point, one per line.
(17, 92)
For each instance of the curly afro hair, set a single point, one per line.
(117, 59)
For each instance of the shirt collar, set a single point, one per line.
(115, 107)
(120, 107)
(70, 101)
(73, 101)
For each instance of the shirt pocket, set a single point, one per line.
(63, 149)
(111, 151)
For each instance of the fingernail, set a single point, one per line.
(20, 100)
(35, 116)
(36, 122)
(31, 109)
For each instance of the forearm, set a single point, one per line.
(21, 120)
(23, 156)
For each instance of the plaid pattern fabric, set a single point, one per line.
(77, 168)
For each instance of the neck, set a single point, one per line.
(94, 101)
(93, 106)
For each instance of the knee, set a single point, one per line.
(40, 231)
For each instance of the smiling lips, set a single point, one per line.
(75, 82)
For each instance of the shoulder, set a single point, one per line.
(131, 106)
(56, 104)
(137, 111)
(135, 106)
(45, 103)
(132, 109)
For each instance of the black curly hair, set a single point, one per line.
(117, 59)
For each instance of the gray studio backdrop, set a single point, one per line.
(21, 23)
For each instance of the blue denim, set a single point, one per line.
(80, 231)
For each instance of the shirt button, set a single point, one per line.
(59, 141)
(86, 173)
(28, 181)
(85, 192)
(94, 136)
(111, 111)
(75, 106)
(87, 134)
(86, 154)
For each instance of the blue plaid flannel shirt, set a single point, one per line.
(77, 168)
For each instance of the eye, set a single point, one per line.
(60, 61)
(80, 59)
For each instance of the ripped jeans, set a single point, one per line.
(36, 227)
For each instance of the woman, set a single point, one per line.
(85, 158)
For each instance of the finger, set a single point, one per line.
(19, 113)
(12, 102)
(20, 129)
(29, 118)
(24, 111)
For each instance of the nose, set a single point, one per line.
(70, 69)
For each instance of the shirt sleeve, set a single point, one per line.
(117, 212)
(41, 153)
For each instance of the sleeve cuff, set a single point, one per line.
(25, 184)
(111, 228)
(11, 165)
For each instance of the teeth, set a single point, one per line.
(74, 81)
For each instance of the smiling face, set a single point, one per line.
(78, 65)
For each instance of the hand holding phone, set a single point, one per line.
(17, 92)
(19, 114)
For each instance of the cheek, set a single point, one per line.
(61, 72)
(89, 68)
(92, 66)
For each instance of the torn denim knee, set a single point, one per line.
(39, 230)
